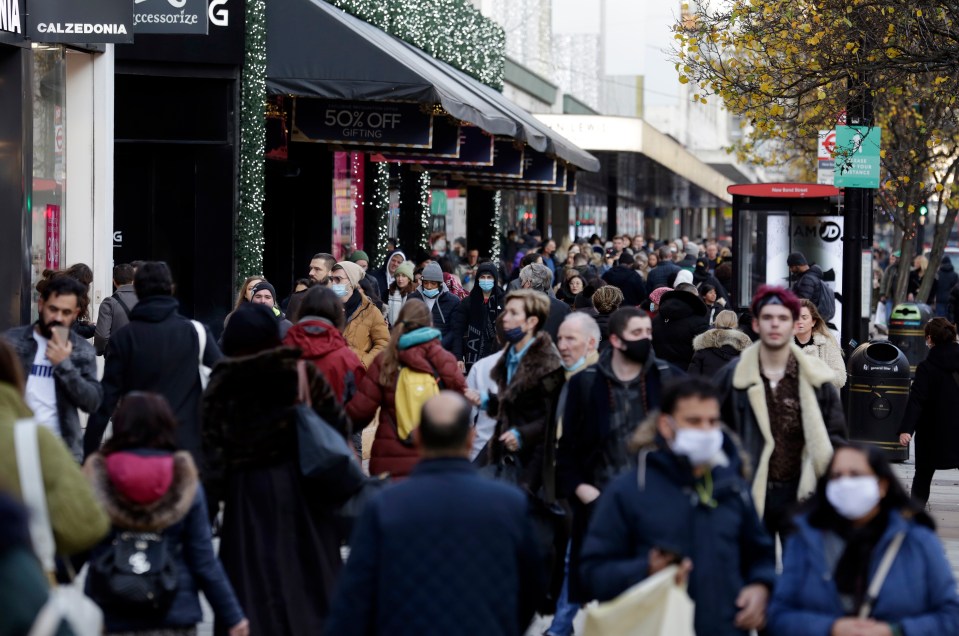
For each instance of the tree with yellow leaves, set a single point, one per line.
(791, 67)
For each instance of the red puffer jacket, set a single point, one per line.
(324, 346)
(389, 454)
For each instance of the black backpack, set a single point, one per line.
(136, 576)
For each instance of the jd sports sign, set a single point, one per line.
(80, 21)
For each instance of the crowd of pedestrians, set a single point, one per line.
(554, 429)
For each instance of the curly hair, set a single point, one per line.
(607, 299)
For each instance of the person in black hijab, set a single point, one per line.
(474, 323)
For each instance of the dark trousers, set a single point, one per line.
(780, 508)
(922, 482)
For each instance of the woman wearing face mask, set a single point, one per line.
(474, 323)
(933, 405)
(859, 517)
(366, 331)
(814, 338)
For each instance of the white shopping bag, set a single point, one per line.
(655, 606)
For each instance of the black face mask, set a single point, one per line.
(637, 350)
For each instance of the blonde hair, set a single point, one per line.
(535, 303)
(241, 297)
(607, 299)
(727, 319)
(818, 324)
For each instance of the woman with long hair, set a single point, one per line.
(279, 541)
(414, 344)
(474, 323)
(147, 486)
(814, 338)
(859, 517)
(245, 294)
(399, 290)
(932, 407)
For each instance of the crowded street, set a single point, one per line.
(474, 317)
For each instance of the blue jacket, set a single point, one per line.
(446, 551)
(919, 593)
(659, 275)
(657, 506)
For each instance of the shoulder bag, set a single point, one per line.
(875, 585)
(202, 368)
(66, 602)
(655, 606)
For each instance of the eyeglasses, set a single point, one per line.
(338, 279)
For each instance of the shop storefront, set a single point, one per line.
(389, 141)
(51, 128)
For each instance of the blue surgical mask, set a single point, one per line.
(486, 284)
(431, 293)
(576, 365)
(514, 335)
(339, 289)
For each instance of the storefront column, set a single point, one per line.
(410, 230)
(16, 164)
(479, 220)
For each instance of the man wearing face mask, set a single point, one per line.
(603, 406)
(366, 331)
(441, 303)
(784, 406)
(686, 504)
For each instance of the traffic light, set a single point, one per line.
(923, 209)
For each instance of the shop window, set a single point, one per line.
(49, 153)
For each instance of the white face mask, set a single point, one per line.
(698, 445)
(853, 497)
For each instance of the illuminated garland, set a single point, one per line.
(426, 214)
(453, 31)
(249, 223)
(497, 225)
(381, 208)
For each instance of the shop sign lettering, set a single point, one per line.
(10, 16)
(104, 21)
(171, 16)
(381, 124)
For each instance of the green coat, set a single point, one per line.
(77, 519)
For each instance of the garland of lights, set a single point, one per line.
(453, 31)
(249, 225)
(381, 208)
(497, 225)
(426, 214)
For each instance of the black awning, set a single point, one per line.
(317, 50)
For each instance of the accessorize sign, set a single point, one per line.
(353, 123)
(73, 21)
(170, 16)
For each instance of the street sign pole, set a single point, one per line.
(857, 232)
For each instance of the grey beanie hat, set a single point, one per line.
(433, 272)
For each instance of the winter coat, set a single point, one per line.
(75, 379)
(381, 274)
(810, 286)
(322, 344)
(932, 408)
(270, 508)
(395, 301)
(659, 275)
(558, 310)
(655, 506)
(918, 595)
(953, 313)
(715, 348)
(826, 349)
(915, 282)
(390, 454)
(744, 410)
(887, 286)
(158, 351)
(366, 331)
(443, 313)
(112, 316)
(528, 404)
(681, 317)
(480, 380)
(444, 552)
(24, 584)
(175, 507)
(630, 282)
(945, 281)
(76, 519)
(602, 321)
(581, 456)
(474, 324)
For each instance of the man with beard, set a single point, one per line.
(320, 266)
(784, 407)
(60, 366)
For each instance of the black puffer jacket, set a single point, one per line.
(715, 348)
(682, 316)
(630, 282)
(945, 281)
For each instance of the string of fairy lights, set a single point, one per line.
(426, 216)
(381, 205)
(249, 230)
(497, 225)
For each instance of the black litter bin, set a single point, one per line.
(905, 331)
(878, 390)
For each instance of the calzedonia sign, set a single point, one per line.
(12, 15)
(80, 21)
